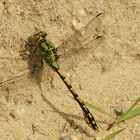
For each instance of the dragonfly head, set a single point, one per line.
(39, 34)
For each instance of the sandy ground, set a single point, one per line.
(106, 73)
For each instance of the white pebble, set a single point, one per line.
(115, 89)
(76, 26)
(18, 112)
(65, 137)
(81, 87)
(68, 74)
(82, 12)
(121, 109)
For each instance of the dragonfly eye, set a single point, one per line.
(43, 34)
(36, 33)
(39, 34)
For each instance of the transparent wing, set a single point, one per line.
(82, 41)
(21, 68)
(91, 27)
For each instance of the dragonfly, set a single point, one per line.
(43, 48)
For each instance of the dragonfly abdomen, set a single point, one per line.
(89, 119)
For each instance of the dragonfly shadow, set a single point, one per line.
(32, 56)
(67, 117)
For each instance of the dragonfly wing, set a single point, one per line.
(81, 41)
(91, 25)
(23, 70)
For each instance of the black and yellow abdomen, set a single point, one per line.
(88, 117)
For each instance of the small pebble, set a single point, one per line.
(30, 137)
(76, 26)
(81, 87)
(82, 12)
(115, 89)
(68, 74)
(18, 112)
(35, 125)
(120, 109)
(65, 138)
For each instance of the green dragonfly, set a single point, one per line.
(40, 46)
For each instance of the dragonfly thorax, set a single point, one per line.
(47, 49)
(50, 56)
(48, 53)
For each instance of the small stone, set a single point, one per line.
(30, 137)
(119, 72)
(68, 74)
(65, 137)
(81, 87)
(82, 12)
(18, 112)
(115, 89)
(120, 109)
(76, 26)
(35, 125)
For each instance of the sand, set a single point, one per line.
(105, 72)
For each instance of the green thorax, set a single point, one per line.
(47, 49)
(48, 52)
